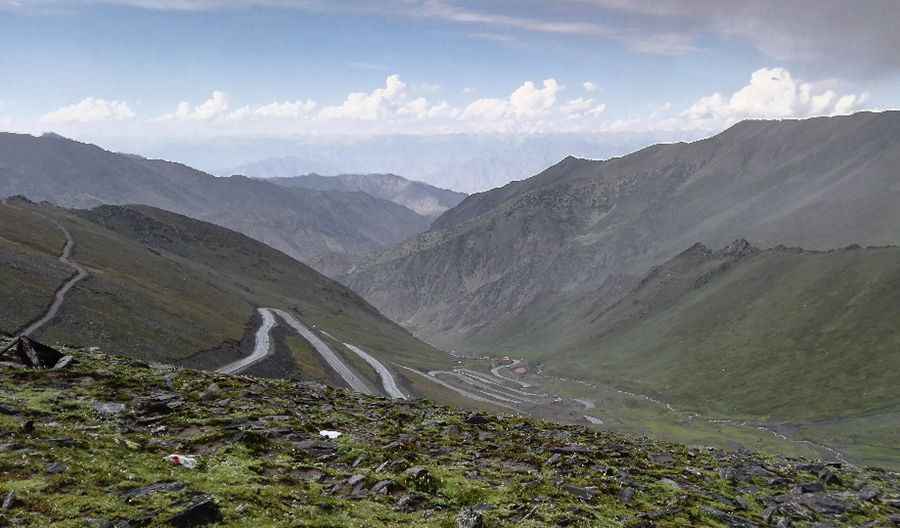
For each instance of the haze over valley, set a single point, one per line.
(449, 263)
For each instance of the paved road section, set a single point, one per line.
(261, 348)
(387, 379)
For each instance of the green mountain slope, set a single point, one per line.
(166, 287)
(782, 335)
(499, 272)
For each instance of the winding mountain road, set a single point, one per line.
(262, 347)
(333, 360)
(496, 372)
(60, 296)
(387, 379)
(468, 394)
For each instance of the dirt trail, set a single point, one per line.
(60, 296)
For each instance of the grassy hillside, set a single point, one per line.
(780, 335)
(166, 287)
(88, 445)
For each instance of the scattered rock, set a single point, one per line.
(109, 409)
(36, 355)
(63, 362)
(626, 494)
(56, 468)
(477, 419)
(212, 392)
(668, 482)
(572, 449)
(201, 512)
(421, 479)
(384, 487)
(582, 493)
(410, 503)
(159, 487)
(8, 501)
(868, 494)
(662, 459)
(469, 518)
(828, 477)
(809, 487)
(824, 504)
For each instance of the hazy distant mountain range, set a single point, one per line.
(302, 222)
(424, 199)
(461, 162)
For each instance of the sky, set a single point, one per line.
(139, 72)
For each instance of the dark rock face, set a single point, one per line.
(201, 512)
(469, 518)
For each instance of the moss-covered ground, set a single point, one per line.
(69, 458)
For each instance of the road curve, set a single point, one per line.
(60, 296)
(327, 354)
(261, 348)
(387, 379)
(463, 392)
(496, 372)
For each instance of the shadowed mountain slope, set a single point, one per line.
(166, 287)
(501, 271)
(301, 222)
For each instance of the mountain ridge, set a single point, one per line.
(303, 223)
(422, 198)
(544, 241)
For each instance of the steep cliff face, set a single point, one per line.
(501, 270)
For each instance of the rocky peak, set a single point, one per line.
(740, 248)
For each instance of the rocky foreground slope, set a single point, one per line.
(91, 444)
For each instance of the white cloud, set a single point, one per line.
(589, 86)
(90, 110)
(370, 106)
(286, 110)
(216, 106)
(773, 93)
(577, 106)
(527, 101)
